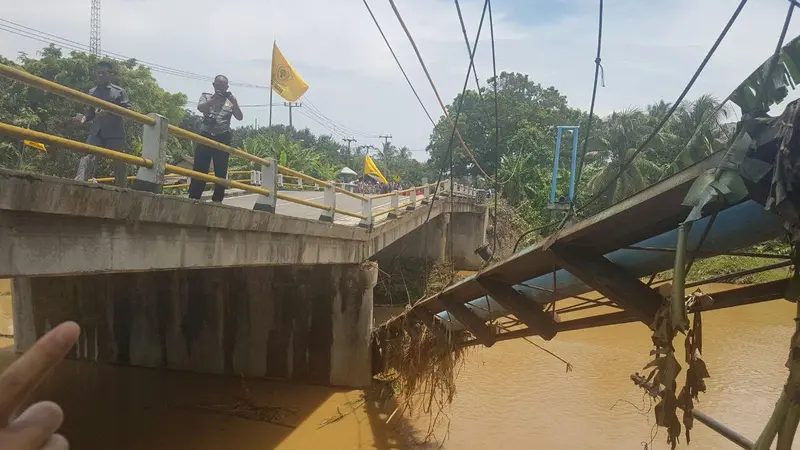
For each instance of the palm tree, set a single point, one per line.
(612, 147)
(291, 154)
(696, 132)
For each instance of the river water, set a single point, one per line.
(511, 396)
(515, 396)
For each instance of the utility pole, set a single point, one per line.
(94, 29)
(349, 140)
(385, 138)
(291, 105)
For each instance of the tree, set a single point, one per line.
(42, 111)
(292, 154)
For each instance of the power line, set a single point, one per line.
(405, 75)
(48, 38)
(42, 36)
(671, 110)
(334, 123)
(433, 86)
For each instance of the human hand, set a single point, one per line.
(231, 97)
(35, 428)
(79, 119)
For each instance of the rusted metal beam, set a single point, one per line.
(746, 295)
(528, 312)
(610, 280)
(483, 334)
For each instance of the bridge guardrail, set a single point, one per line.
(152, 164)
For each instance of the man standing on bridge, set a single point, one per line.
(107, 130)
(217, 110)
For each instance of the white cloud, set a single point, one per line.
(650, 49)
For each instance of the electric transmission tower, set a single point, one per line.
(94, 29)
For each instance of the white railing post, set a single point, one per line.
(154, 147)
(255, 177)
(395, 204)
(366, 211)
(316, 186)
(426, 192)
(269, 180)
(280, 180)
(413, 198)
(330, 202)
(300, 184)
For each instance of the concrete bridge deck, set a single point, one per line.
(52, 226)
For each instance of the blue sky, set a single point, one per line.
(650, 50)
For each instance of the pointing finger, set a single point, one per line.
(36, 425)
(22, 376)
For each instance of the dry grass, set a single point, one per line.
(422, 363)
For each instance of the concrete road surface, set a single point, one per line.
(344, 202)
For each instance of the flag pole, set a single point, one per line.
(270, 84)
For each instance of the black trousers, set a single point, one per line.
(203, 155)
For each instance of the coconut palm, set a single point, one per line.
(696, 131)
(615, 143)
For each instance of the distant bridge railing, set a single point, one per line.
(265, 182)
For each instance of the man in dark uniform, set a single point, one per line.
(107, 130)
(217, 109)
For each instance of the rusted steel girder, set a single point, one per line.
(483, 334)
(746, 295)
(605, 277)
(528, 312)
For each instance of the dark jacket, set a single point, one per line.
(104, 123)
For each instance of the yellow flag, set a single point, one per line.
(372, 169)
(285, 80)
(36, 145)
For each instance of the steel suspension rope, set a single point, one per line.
(672, 109)
(391, 50)
(496, 128)
(474, 70)
(436, 91)
(597, 69)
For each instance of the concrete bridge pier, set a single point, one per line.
(304, 323)
(468, 231)
(430, 241)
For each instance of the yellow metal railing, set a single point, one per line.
(69, 93)
(23, 133)
(310, 179)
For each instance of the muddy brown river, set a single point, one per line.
(511, 396)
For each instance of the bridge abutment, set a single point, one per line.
(302, 323)
(468, 233)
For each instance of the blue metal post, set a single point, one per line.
(574, 165)
(555, 166)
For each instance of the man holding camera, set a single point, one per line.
(217, 109)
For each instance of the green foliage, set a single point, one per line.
(42, 111)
